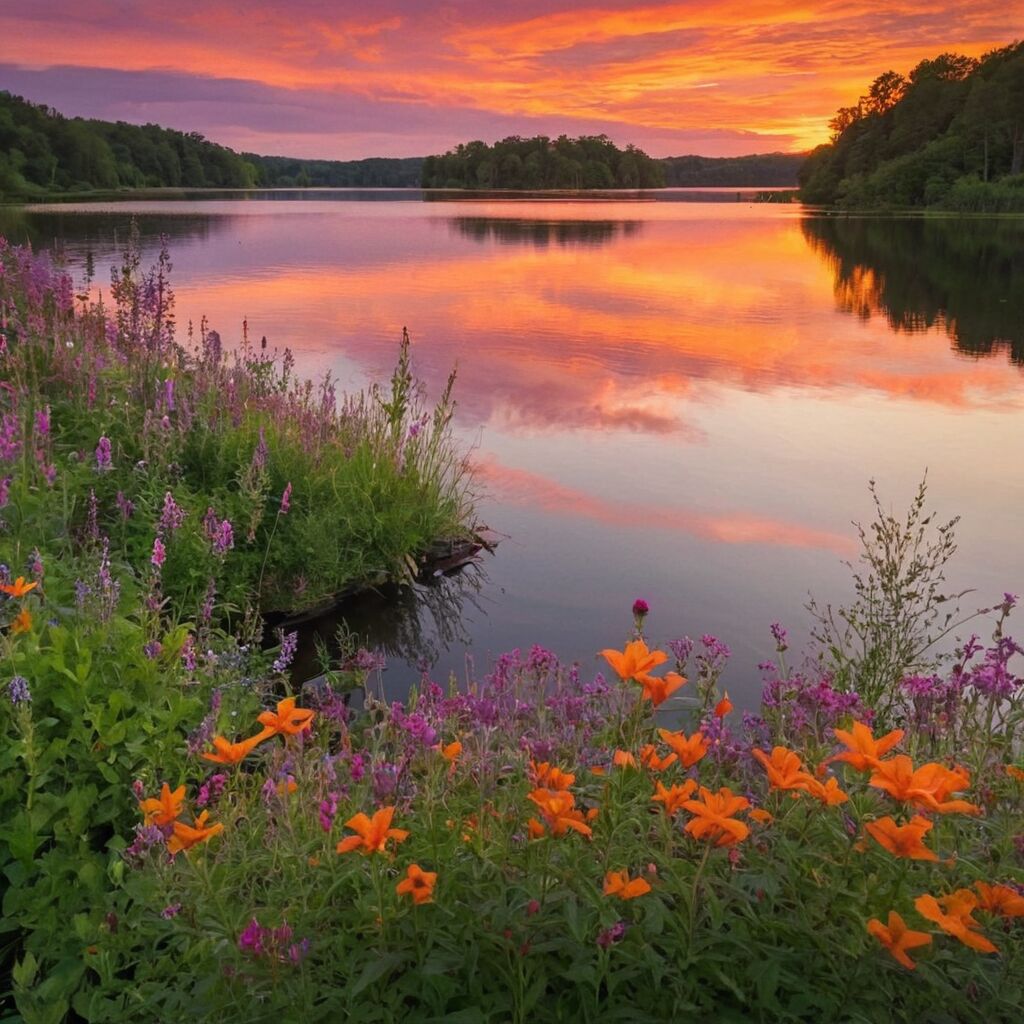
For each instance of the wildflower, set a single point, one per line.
(22, 622)
(172, 515)
(210, 791)
(903, 840)
(928, 787)
(635, 663)
(418, 884)
(714, 816)
(688, 750)
(170, 911)
(863, 750)
(724, 706)
(286, 786)
(547, 776)
(898, 938)
(953, 914)
(289, 645)
(373, 833)
(1000, 899)
(785, 770)
(451, 752)
(535, 829)
(623, 759)
(288, 719)
(1015, 773)
(640, 608)
(234, 753)
(19, 588)
(184, 837)
(674, 798)
(649, 759)
(104, 462)
(618, 883)
(18, 691)
(609, 936)
(165, 808)
(828, 793)
(159, 555)
(286, 499)
(559, 811)
(761, 816)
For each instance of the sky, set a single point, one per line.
(342, 80)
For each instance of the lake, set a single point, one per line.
(677, 396)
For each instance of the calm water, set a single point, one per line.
(675, 400)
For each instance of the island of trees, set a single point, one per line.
(591, 161)
(950, 134)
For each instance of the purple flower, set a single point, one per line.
(171, 910)
(18, 691)
(779, 634)
(211, 790)
(146, 837)
(152, 649)
(609, 936)
(328, 809)
(5, 490)
(286, 499)
(104, 461)
(289, 644)
(124, 506)
(159, 553)
(259, 456)
(640, 608)
(43, 422)
(172, 516)
(224, 539)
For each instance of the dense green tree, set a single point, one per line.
(950, 134)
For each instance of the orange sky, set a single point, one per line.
(341, 79)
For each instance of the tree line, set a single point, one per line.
(590, 161)
(949, 134)
(43, 151)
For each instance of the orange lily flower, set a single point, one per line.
(724, 706)
(547, 776)
(928, 787)
(761, 816)
(828, 792)
(957, 919)
(623, 759)
(165, 808)
(714, 816)
(785, 770)
(185, 836)
(535, 829)
(903, 840)
(22, 622)
(618, 883)
(418, 884)
(898, 938)
(234, 753)
(674, 798)
(689, 750)
(288, 719)
(658, 690)
(558, 808)
(451, 752)
(1015, 773)
(999, 899)
(19, 588)
(374, 832)
(634, 661)
(650, 760)
(286, 787)
(863, 751)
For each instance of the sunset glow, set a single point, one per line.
(400, 78)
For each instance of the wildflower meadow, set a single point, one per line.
(186, 833)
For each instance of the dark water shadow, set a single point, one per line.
(414, 625)
(543, 233)
(964, 275)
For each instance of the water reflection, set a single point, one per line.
(542, 233)
(966, 276)
(417, 625)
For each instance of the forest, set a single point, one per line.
(42, 151)
(590, 161)
(950, 134)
